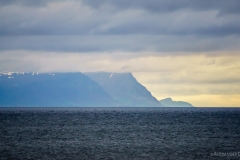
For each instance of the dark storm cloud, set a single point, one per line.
(28, 3)
(223, 6)
(33, 3)
(123, 43)
(223, 30)
(211, 30)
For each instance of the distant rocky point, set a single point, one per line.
(168, 102)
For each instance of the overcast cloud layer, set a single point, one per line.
(120, 25)
(185, 49)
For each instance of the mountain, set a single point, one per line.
(51, 90)
(168, 102)
(125, 89)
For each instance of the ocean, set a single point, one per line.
(120, 133)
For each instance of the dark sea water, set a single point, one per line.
(119, 133)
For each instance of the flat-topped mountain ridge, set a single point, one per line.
(73, 89)
(52, 90)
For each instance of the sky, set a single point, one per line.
(188, 50)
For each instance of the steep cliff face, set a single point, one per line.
(125, 89)
(52, 90)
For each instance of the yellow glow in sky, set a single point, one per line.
(198, 79)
